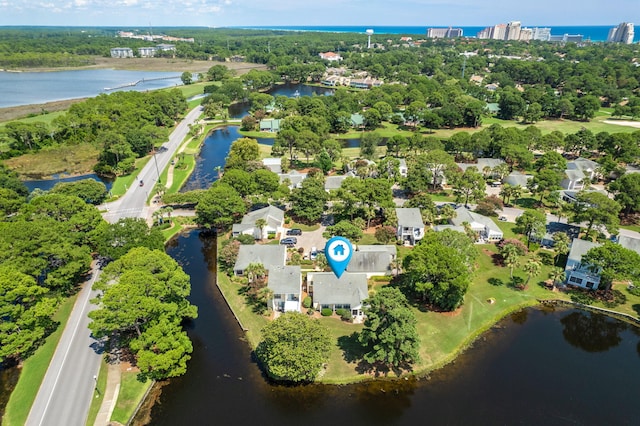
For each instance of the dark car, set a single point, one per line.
(294, 231)
(289, 241)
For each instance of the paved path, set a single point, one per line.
(110, 395)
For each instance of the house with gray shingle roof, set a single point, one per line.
(274, 223)
(294, 178)
(346, 292)
(484, 226)
(518, 179)
(481, 164)
(372, 259)
(579, 173)
(269, 256)
(578, 273)
(410, 225)
(629, 242)
(335, 182)
(286, 284)
(273, 164)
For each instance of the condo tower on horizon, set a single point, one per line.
(623, 33)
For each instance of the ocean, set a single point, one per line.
(588, 32)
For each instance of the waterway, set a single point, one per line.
(47, 184)
(538, 366)
(26, 88)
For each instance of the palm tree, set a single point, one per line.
(255, 271)
(510, 257)
(557, 276)
(531, 268)
(167, 210)
(261, 223)
(157, 216)
(561, 244)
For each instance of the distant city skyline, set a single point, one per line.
(226, 13)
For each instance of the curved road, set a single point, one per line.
(65, 394)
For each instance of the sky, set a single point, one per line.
(226, 13)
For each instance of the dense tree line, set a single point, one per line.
(124, 125)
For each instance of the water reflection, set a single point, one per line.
(592, 332)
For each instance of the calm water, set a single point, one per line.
(25, 88)
(47, 184)
(536, 367)
(288, 89)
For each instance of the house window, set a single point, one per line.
(590, 284)
(575, 280)
(277, 296)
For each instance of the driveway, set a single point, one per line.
(510, 213)
(310, 239)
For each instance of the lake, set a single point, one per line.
(47, 184)
(26, 88)
(537, 366)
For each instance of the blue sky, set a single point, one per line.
(223, 13)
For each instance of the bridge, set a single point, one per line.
(135, 83)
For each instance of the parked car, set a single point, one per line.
(502, 218)
(313, 253)
(289, 241)
(294, 231)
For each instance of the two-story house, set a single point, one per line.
(286, 284)
(272, 223)
(346, 292)
(410, 225)
(484, 226)
(578, 273)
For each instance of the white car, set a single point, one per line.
(313, 253)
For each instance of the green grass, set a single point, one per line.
(122, 183)
(33, 370)
(131, 393)
(98, 395)
(177, 221)
(76, 159)
(46, 118)
(303, 227)
(258, 134)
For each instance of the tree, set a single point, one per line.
(438, 273)
(294, 348)
(531, 223)
(470, 184)
(627, 192)
(307, 202)
(531, 268)
(345, 229)
(187, 78)
(545, 181)
(385, 234)
(510, 257)
(389, 337)
(114, 240)
(242, 152)
(428, 170)
(586, 107)
(219, 207)
(261, 223)
(144, 300)
(596, 209)
(614, 262)
(561, 244)
(25, 311)
(368, 144)
(557, 276)
(88, 190)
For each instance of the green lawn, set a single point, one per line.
(33, 370)
(122, 183)
(46, 118)
(98, 394)
(131, 393)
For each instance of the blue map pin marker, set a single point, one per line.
(338, 252)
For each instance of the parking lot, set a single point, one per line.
(310, 239)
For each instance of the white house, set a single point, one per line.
(402, 167)
(286, 284)
(484, 226)
(269, 256)
(122, 52)
(274, 223)
(372, 260)
(579, 174)
(330, 56)
(410, 225)
(578, 273)
(346, 292)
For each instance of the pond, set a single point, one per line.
(47, 184)
(290, 90)
(537, 366)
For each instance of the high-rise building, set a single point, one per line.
(512, 31)
(623, 33)
(526, 34)
(499, 32)
(542, 34)
(444, 32)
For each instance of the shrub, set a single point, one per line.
(344, 314)
(306, 302)
(326, 312)
(522, 249)
(246, 239)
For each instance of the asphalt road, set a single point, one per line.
(65, 394)
(133, 203)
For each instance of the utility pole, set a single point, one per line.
(157, 169)
(464, 65)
